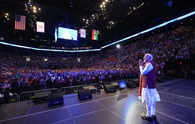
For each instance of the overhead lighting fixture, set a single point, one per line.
(78, 59)
(6, 14)
(34, 7)
(111, 22)
(118, 46)
(28, 59)
(45, 59)
(34, 11)
(116, 42)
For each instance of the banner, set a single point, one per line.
(82, 33)
(40, 27)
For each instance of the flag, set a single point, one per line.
(82, 33)
(95, 34)
(40, 27)
(20, 22)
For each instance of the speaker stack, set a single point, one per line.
(132, 84)
(55, 99)
(110, 88)
(84, 94)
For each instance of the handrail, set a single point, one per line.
(35, 91)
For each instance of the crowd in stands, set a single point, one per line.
(168, 46)
(21, 72)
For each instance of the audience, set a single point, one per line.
(20, 72)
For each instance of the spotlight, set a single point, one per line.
(45, 59)
(78, 59)
(34, 7)
(6, 14)
(111, 22)
(34, 11)
(118, 46)
(28, 59)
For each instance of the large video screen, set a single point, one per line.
(67, 34)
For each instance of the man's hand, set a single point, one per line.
(140, 62)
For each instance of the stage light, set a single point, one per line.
(130, 109)
(118, 46)
(34, 11)
(1, 38)
(111, 22)
(34, 7)
(45, 59)
(6, 14)
(78, 59)
(28, 59)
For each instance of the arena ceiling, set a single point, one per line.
(113, 18)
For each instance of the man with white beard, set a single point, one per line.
(147, 87)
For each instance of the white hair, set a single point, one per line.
(149, 55)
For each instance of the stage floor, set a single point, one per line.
(177, 106)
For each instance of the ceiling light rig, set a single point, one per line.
(32, 12)
(94, 17)
(134, 8)
(103, 14)
(7, 16)
(104, 4)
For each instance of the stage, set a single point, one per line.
(177, 106)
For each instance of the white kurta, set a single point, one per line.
(148, 96)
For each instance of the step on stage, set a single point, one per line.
(177, 106)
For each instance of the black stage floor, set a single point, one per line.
(177, 106)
